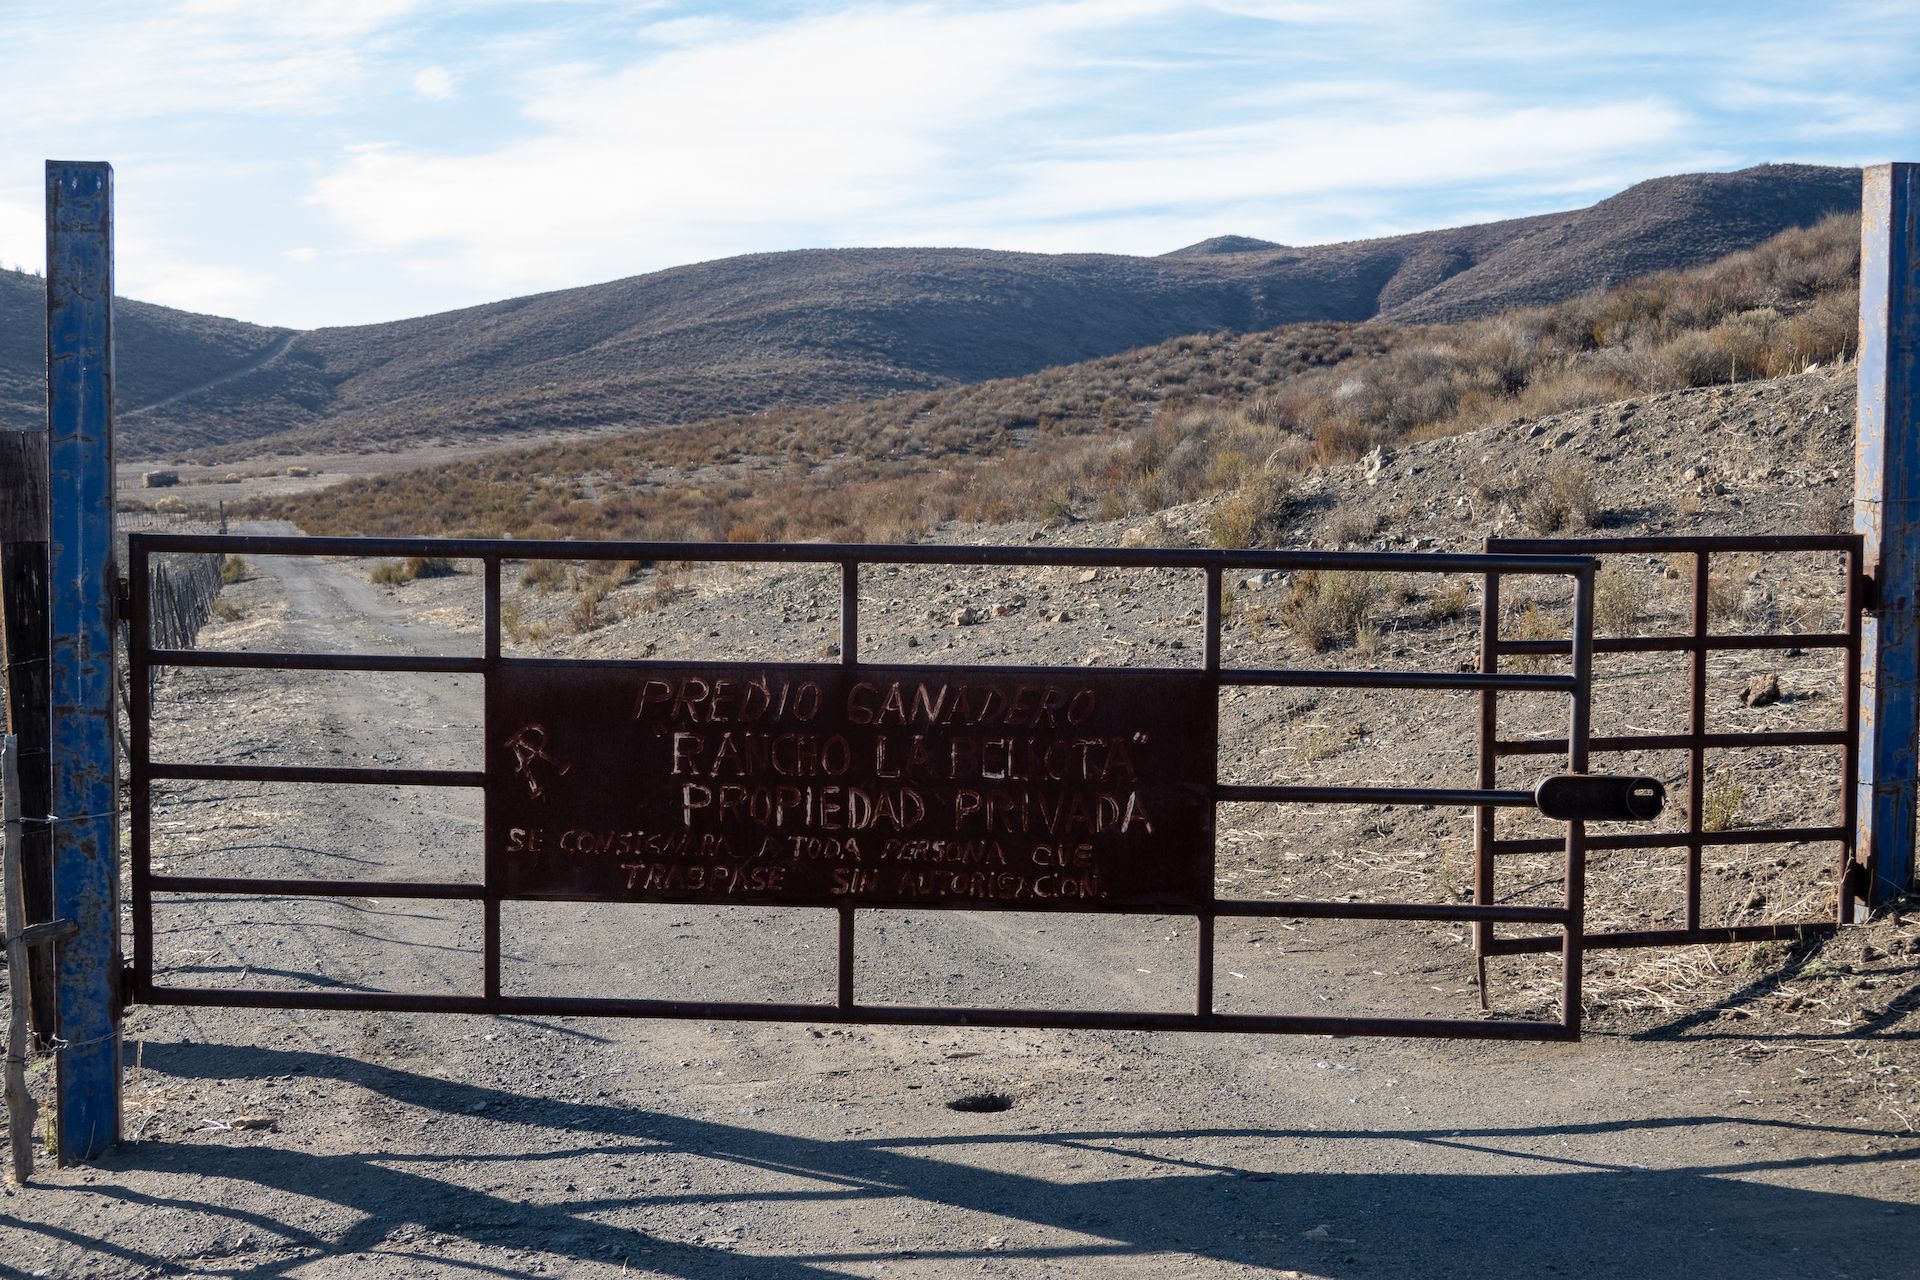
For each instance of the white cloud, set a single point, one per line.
(23, 235)
(817, 123)
(434, 82)
(192, 56)
(923, 124)
(179, 282)
(600, 137)
(1323, 153)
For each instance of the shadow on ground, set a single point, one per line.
(1553, 1214)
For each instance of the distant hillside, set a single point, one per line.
(1241, 418)
(1224, 244)
(823, 326)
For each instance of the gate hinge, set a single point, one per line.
(126, 986)
(122, 600)
(1867, 592)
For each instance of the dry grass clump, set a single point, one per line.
(1563, 499)
(1621, 599)
(1531, 620)
(1248, 514)
(393, 573)
(1325, 606)
(1449, 602)
(1721, 801)
(1351, 528)
(1318, 741)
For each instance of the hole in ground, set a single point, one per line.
(984, 1102)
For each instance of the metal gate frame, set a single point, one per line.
(1854, 876)
(144, 658)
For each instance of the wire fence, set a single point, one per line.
(184, 587)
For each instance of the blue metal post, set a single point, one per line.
(80, 580)
(1886, 511)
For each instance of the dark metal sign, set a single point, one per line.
(1029, 789)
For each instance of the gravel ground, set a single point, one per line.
(1731, 1112)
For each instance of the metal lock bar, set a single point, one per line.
(1600, 797)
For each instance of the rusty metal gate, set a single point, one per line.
(1697, 642)
(559, 826)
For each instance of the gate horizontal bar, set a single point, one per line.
(255, 887)
(1465, 796)
(1313, 909)
(1675, 742)
(872, 1015)
(863, 553)
(1680, 543)
(1310, 679)
(1668, 937)
(1683, 644)
(316, 773)
(271, 661)
(1678, 839)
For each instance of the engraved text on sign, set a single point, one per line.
(975, 787)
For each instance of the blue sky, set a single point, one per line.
(336, 161)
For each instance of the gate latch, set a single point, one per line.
(1600, 797)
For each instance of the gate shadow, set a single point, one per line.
(1554, 1214)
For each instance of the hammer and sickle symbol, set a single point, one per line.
(530, 745)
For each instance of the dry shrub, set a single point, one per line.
(1720, 802)
(1324, 606)
(1494, 479)
(1247, 518)
(1153, 532)
(429, 567)
(1534, 621)
(585, 614)
(1620, 599)
(1449, 602)
(1351, 528)
(1563, 499)
(1727, 589)
(546, 576)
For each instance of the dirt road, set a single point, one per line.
(1699, 1145)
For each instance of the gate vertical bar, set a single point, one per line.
(489, 727)
(1579, 729)
(1213, 615)
(1483, 825)
(1886, 512)
(140, 761)
(1697, 734)
(849, 657)
(1851, 901)
(80, 580)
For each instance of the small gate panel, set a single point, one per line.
(1697, 643)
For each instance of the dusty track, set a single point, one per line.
(440, 1145)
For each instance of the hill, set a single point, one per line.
(1239, 416)
(823, 326)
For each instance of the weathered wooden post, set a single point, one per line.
(23, 639)
(80, 582)
(1886, 510)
